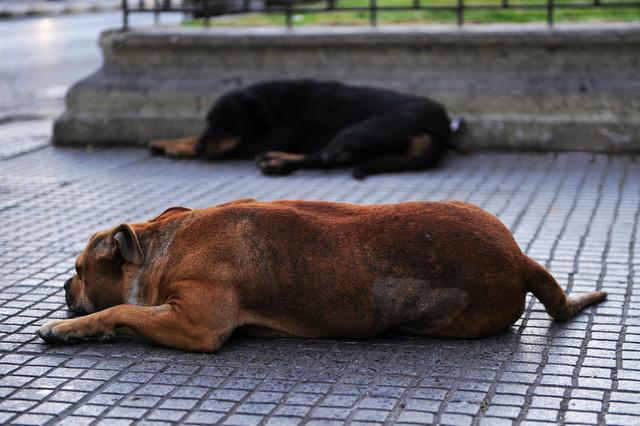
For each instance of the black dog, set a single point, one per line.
(301, 124)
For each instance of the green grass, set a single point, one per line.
(422, 16)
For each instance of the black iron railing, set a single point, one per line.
(207, 9)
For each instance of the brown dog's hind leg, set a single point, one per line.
(177, 148)
(558, 305)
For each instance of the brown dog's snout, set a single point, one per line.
(70, 300)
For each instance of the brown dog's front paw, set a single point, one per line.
(57, 332)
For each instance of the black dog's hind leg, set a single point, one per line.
(390, 163)
(389, 142)
(387, 134)
(422, 154)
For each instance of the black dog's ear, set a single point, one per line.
(125, 242)
(258, 112)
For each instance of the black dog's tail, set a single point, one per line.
(457, 126)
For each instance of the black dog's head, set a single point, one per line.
(235, 124)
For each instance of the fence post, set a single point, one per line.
(156, 12)
(460, 12)
(289, 14)
(373, 13)
(550, 7)
(125, 15)
(207, 13)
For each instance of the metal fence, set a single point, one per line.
(209, 8)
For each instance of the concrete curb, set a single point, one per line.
(520, 87)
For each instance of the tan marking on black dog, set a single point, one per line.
(281, 155)
(419, 145)
(184, 147)
(226, 144)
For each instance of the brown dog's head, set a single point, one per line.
(105, 271)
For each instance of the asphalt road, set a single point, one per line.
(40, 58)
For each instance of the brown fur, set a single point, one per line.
(307, 269)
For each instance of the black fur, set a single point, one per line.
(331, 123)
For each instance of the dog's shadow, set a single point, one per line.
(389, 354)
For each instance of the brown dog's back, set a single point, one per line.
(446, 269)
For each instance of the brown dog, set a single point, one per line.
(188, 278)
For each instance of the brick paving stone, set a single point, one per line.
(577, 213)
(31, 419)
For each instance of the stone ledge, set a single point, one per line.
(521, 87)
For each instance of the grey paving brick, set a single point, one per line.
(167, 415)
(283, 421)
(242, 420)
(214, 405)
(367, 415)
(114, 422)
(293, 410)
(16, 405)
(580, 417)
(415, 417)
(31, 419)
(126, 412)
(203, 417)
(68, 396)
(75, 421)
(89, 410)
(50, 407)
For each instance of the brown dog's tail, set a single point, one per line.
(560, 306)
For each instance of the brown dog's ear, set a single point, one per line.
(125, 242)
(169, 212)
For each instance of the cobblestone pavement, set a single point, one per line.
(576, 213)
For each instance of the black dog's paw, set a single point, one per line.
(359, 173)
(260, 158)
(157, 147)
(156, 150)
(273, 167)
